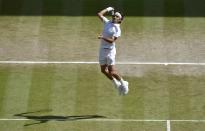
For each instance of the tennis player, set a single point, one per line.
(110, 34)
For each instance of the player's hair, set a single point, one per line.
(121, 15)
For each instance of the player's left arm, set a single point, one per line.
(107, 39)
(103, 12)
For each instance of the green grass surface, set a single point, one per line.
(64, 91)
(71, 92)
(67, 30)
(59, 38)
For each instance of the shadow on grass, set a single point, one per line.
(47, 118)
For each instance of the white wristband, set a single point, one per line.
(109, 9)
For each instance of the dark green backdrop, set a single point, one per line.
(191, 8)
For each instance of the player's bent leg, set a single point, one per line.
(104, 70)
(113, 72)
(123, 88)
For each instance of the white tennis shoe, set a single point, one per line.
(124, 89)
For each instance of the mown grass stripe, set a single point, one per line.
(64, 90)
(152, 33)
(196, 37)
(109, 103)
(42, 80)
(196, 87)
(179, 104)
(40, 91)
(156, 90)
(86, 90)
(135, 98)
(86, 100)
(4, 78)
(175, 40)
(16, 93)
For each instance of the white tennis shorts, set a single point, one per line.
(107, 56)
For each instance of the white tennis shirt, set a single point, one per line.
(110, 29)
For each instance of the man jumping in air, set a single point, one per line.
(110, 34)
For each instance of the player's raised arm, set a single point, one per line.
(103, 12)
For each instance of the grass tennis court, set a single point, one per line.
(77, 96)
(73, 93)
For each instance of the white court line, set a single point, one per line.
(168, 125)
(94, 62)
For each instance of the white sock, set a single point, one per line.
(122, 81)
(116, 82)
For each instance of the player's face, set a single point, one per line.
(116, 19)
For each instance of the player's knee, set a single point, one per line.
(103, 71)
